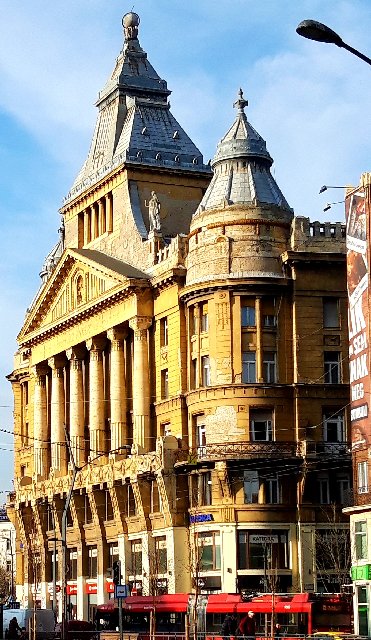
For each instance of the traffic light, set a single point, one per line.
(116, 572)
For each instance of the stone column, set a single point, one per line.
(77, 413)
(58, 415)
(141, 390)
(96, 396)
(101, 217)
(259, 340)
(117, 389)
(41, 449)
(87, 226)
(94, 222)
(109, 213)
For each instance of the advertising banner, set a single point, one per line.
(356, 211)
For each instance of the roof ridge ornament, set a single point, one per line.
(240, 103)
(131, 22)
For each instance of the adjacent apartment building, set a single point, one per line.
(182, 370)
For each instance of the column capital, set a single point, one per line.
(57, 362)
(140, 323)
(75, 353)
(40, 369)
(96, 344)
(116, 334)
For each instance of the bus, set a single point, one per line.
(299, 614)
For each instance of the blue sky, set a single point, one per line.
(309, 101)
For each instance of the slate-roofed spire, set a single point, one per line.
(242, 168)
(135, 124)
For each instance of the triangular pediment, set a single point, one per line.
(81, 280)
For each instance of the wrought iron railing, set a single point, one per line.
(272, 450)
(239, 450)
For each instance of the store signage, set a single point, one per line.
(50, 588)
(71, 589)
(263, 539)
(110, 587)
(91, 587)
(201, 517)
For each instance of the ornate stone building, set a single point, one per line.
(180, 370)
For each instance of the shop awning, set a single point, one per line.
(170, 603)
(223, 603)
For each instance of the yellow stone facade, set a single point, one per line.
(197, 371)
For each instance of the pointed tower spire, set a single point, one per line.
(135, 124)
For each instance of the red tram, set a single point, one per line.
(297, 614)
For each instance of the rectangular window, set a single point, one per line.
(333, 427)
(205, 371)
(93, 562)
(156, 504)
(165, 429)
(113, 554)
(250, 486)
(130, 501)
(258, 549)
(360, 535)
(204, 489)
(343, 484)
(204, 318)
(331, 316)
(248, 315)
(269, 367)
(362, 477)
(248, 367)
(261, 425)
(164, 384)
(323, 490)
(109, 515)
(201, 436)
(209, 550)
(273, 493)
(164, 336)
(161, 554)
(193, 320)
(87, 510)
(269, 321)
(136, 558)
(72, 564)
(332, 368)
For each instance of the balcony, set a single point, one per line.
(326, 449)
(238, 451)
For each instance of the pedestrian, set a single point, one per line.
(229, 626)
(246, 628)
(14, 630)
(277, 630)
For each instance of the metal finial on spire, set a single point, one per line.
(240, 103)
(131, 22)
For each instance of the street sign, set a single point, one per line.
(121, 591)
(263, 539)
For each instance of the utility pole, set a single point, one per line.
(75, 469)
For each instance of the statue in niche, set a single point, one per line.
(154, 212)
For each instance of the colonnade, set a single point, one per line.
(83, 404)
(98, 218)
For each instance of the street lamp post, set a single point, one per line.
(319, 32)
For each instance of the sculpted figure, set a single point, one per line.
(154, 212)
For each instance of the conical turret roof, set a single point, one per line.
(242, 168)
